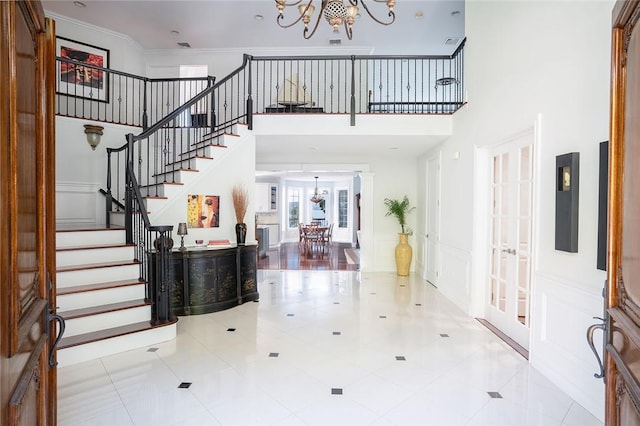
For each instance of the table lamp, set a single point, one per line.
(182, 231)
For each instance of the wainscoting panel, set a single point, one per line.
(454, 275)
(77, 203)
(562, 311)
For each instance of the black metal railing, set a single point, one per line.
(359, 84)
(425, 84)
(94, 93)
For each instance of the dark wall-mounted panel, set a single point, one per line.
(567, 191)
(603, 201)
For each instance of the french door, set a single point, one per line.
(508, 298)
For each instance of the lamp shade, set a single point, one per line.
(182, 229)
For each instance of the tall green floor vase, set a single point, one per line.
(403, 255)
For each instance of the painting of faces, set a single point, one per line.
(203, 211)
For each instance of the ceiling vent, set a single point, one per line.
(335, 42)
(452, 41)
(184, 44)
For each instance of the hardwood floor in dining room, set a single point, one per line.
(290, 256)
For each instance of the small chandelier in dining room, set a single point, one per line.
(316, 196)
(336, 12)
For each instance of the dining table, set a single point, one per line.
(313, 238)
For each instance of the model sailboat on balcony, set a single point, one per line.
(292, 92)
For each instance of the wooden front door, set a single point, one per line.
(622, 365)
(27, 214)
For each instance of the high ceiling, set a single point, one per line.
(421, 27)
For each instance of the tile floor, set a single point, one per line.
(321, 348)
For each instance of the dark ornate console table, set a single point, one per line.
(211, 279)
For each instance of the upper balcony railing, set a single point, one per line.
(101, 94)
(295, 84)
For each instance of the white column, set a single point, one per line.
(366, 222)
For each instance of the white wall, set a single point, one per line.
(124, 53)
(528, 61)
(81, 172)
(236, 165)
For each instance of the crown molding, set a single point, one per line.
(94, 28)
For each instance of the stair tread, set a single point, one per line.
(198, 148)
(201, 157)
(80, 339)
(175, 171)
(98, 286)
(94, 246)
(84, 228)
(102, 309)
(97, 265)
(160, 183)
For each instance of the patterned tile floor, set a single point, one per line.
(321, 348)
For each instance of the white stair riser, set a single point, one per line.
(102, 348)
(97, 275)
(95, 255)
(113, 319)
(66, 302)
(84, 238)
(195, 163)
(162, 190)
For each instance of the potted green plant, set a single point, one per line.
(400, 209)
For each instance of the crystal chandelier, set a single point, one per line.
(336, 12)
(316, 197)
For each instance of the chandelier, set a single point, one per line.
(316, 197)
(336, 12)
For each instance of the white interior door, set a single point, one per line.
(510, 239)
(432, 227)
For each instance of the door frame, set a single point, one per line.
(432, 209)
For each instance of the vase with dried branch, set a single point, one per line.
(240, 197)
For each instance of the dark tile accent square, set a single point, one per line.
(402, 285)
(337, 333)
(372, 293)
(494, 394)
(231, 329)
(184, 385)
(290, 315)
(336, 303)
(383, 316)
(336, 391)
(418, 304)
(272, 283)
(152, 349)
(400, 358)
(274, 354)
(444, 335)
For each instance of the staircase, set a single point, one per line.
(99, 291)
(101, 298)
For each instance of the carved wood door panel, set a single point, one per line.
(622, 364)
(27, 214)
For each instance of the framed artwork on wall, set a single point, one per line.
(203, 211)
(82, 80)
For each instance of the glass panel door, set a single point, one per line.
(509, 278)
